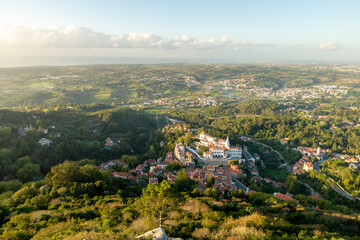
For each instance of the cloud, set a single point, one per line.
(71, 36)
(75, 36)
(330, 46)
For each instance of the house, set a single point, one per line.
(250, 192)
(283, 141)
(284, 197)
(169, 156)
(248, 156)
(45, 141)
(156, 170)
(170, 177)
(108, 143)
(218, 148)
(235, 170)
(267, 180)
(254, 172)
(318, 153)
(163, 164)
(133, 179)
(140, 167)
(317, 196)
(308, 166)
(279, 185)
(22, 131)
(153, 180)
(149, 162)
(45, 130)
(122, 175)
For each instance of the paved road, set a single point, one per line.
(197, 156)
(312, 191)
(316, 165)
(335, 186)
(288, 167)
(343, 193)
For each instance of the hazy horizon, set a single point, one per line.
(76, 61)
(138, 31)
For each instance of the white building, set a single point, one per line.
(219, 148)
(45, 141)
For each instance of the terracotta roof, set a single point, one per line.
(284, 197)
(317, 196)
(120, 174)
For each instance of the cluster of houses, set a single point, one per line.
(110, 142)
(318, 153)
(186, 102)
(307, 93)
(151, 169)
(178, 126)
(218, 148)
(304, 164)
(22, 131)
(353, 162)
(221, 176)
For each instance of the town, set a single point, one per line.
(221, 165)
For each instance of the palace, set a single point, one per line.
(218, 148)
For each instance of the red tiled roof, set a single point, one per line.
(284, 197)
(317, 196)
(120, 174)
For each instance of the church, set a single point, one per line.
(218, 148)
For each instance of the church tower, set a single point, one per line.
(227, 144)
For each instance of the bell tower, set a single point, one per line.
(227, 144)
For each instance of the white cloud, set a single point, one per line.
(75, 36)
(330, 46)
(71, 36)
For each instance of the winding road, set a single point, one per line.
(336, 187)
(288, 166)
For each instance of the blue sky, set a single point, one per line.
(251, 30)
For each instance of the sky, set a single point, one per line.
(43, 32)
